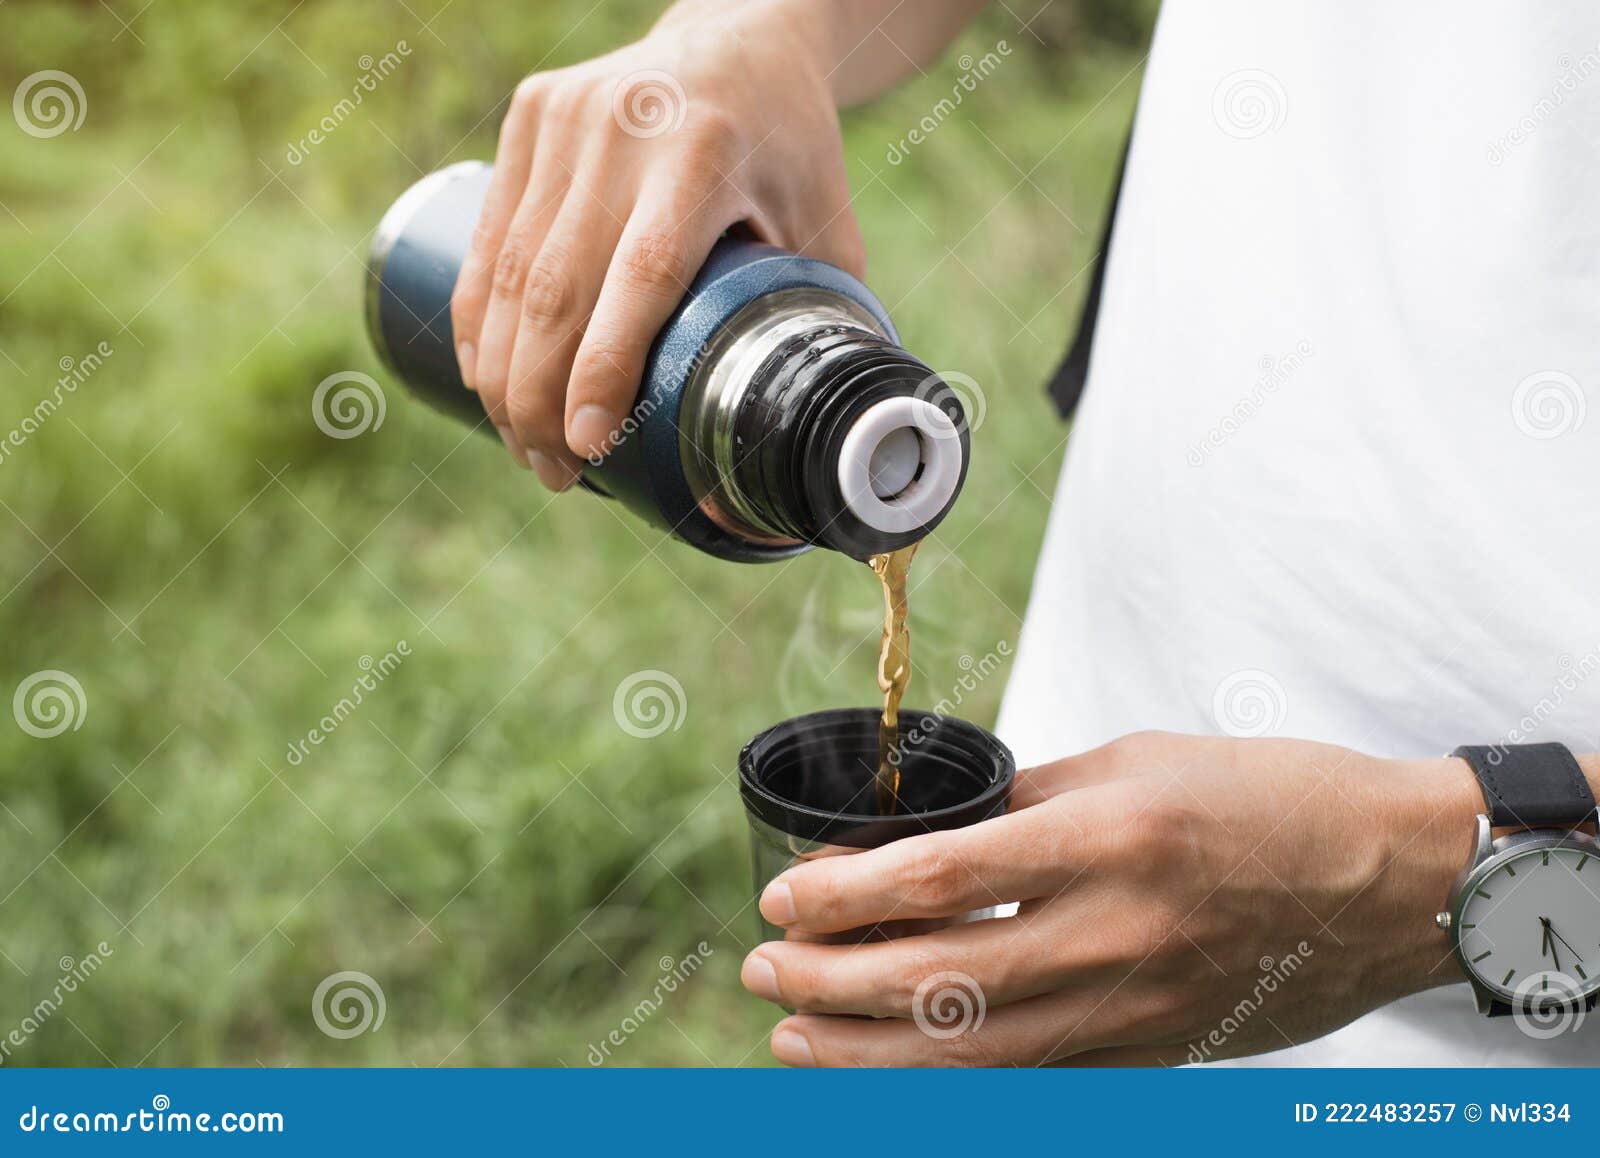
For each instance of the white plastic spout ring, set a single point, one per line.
(900, 464)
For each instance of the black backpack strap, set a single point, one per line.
(1066, 386)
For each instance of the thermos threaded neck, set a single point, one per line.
(844, 439)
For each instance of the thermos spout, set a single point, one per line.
(901, 464)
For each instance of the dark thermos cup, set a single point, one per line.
(808, 786)
(777, 411)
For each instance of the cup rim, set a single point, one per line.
(869, 829)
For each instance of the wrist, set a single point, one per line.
(1431, 825)
(858, 48)
(803, 27)
(1590, 764)
(1428, 824)
(765, 53)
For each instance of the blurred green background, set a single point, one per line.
(514, 870)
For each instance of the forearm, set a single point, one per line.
(863, 47)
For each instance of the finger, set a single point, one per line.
(474, 283)
(555, 473)
(1085, 770)
(1017, 857)
(1005, 960)
(882, 931)
(959, 1027)
(667, 239)
(1033, 786)
(545, 192)
(559, 293)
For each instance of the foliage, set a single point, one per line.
(480, 836)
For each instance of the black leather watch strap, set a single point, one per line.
(1530, 785)
(1537, 1008)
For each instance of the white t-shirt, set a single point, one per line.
(1334, 475)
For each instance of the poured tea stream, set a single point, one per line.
(894, 669)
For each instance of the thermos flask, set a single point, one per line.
(777, 410)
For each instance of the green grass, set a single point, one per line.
(481, 837)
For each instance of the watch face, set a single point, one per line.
(1530, 925)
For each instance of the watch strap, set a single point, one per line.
(1499, 1007)
(1530, 785)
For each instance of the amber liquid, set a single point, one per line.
(894, 669)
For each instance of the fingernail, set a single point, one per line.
(792, 1049)
(760, 978)
(467, 358)
(591, 430)
(511, 445)
(777, 904)
(552, 474)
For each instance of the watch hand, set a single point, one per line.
(1551, 929)
(1546, 946)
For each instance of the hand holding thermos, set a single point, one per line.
(582, 298)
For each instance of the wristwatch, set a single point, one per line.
(1524, 917)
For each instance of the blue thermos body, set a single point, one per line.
(777, 412)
